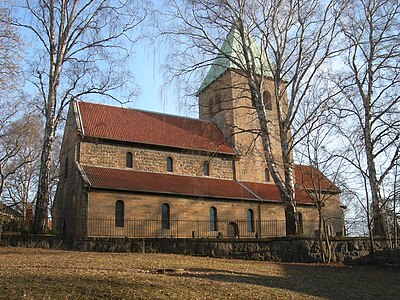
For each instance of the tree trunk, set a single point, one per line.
(371, 237)
(379, 227)
(321, 244)
(292, 224)
(327, 249)
(1, 202)
(39, 224)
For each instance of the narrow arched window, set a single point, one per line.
(170, 164)
(213, 219)
(119, 213)
(267, 100)
(129, 158)
(300, 219)
(206, 168)
(266, 175)
(165, 216)
(210, 108)
(250, 220)
(66, 168)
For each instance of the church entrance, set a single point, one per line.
(233, 230)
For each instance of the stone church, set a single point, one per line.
(133, 173)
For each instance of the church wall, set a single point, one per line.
(332, 213)
(69, 201)
(193, 215)
(185, 162)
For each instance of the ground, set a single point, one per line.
(54, 274)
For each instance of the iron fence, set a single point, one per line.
(174, 228)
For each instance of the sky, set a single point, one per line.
(146, 65)
(154, 94)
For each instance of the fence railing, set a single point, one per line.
(174, 228)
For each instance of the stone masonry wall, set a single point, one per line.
(193, 215)
(227, 102)
(278, 249)
(148, 160)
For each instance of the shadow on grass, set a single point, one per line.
(331, 282)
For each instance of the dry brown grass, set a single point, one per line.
(51, 274)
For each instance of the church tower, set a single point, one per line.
(224, 98)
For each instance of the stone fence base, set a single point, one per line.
(287, 249)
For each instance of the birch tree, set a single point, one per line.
(370, 92)
(10, 53)
(80, 50)
(294, 39)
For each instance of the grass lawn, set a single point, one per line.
(52, 274)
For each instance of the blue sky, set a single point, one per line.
(147, 67)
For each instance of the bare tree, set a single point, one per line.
(14, 134)
(81, 51)
(294, 40)
(319, 152)
(10, 53)
(370, 84)
(22, 184)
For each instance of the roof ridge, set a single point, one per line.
(153, 128)
(148, 111)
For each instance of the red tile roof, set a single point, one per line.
(122, 124)
(271, 192)
(311, 178)
(128, 180)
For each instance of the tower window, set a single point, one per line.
(170, 164)
(267, 175)
(210, 108)
(129, 158)
(267, 100)
(206, 168)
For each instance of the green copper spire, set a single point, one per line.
(232, 57)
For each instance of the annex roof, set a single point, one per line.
(231, 57)
(309, 177)
(129, 180)
(144, 127)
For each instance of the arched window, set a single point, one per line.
(266, 175)
(210, 108)
(165, 216)
(66, 168)
(250, 220)
(267, 100)
(129, 158)
(170, 164)
(300, 219)
(213, 219)
(206, 168)
(119, 213)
